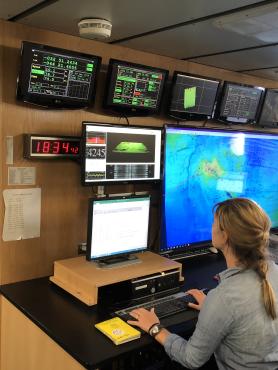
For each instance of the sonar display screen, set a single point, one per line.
(134, 86)
(193, 95)
(119, 153)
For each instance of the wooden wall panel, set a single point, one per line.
(25, 346)
(64, 200)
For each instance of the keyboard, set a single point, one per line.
(163, 307)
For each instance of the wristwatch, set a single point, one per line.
(155, 329)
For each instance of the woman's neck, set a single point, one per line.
(230, 258)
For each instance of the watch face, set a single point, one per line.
(155, 330)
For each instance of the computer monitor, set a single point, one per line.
(56, 78)
(192, 97)
(134, 88)
(239, 103)
(120, 154)
(205, 166)
(117, 228)
(269, 112)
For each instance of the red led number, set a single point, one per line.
(46, 147)
(56, 147)
(65, 147)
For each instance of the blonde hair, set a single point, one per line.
(247, 227)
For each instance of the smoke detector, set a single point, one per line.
(95, 28)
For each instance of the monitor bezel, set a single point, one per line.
(273, 124)
(163, 250)
(55, 102)
(121, 181)
(91, 203)
(219, 117)
(124, 108)
(187, 116)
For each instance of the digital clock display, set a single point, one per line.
(36, 146)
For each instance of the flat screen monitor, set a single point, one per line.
(117, 228)
(192, 97)
(206, 166)
(239, 103)
(115, 153)
(56, 78)
(269, 112)
(134, 88)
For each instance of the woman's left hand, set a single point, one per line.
(145, 319)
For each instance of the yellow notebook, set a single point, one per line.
(118, 330)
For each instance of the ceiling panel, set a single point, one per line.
(128, 17)
(271, 74)
(249, 59)
(192, 40)
(10, 8)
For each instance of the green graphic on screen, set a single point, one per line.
(189, 98)
(131, 147)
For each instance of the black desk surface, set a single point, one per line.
(70, 323)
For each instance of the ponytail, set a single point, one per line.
(267, 291)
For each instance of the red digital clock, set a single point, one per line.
(38, 146)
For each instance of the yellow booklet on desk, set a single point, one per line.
(118, 330)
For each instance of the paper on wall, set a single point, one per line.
(22, 214)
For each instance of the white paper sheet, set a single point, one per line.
(22, 214)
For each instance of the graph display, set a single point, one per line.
(113, 154)
(193, 95)
(59, 75)
(240, 102)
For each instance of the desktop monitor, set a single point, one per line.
(117, 154)
(56, 78)
(134, 88)
(206, 166)
(192, 97)
(269, 112)
(118, 227)
(239, 103)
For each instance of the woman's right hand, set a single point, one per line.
(199, 295)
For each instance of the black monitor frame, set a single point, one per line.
(121, 256)
(193, 247)
(53, 101)
(121, 181)
(235, 120)
(261, 121)
(128, 109)
(190, 115)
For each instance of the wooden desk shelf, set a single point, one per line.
(82, 278)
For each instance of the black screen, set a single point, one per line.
(269, 113)
(240, 103)
(134, 87)
(56, 77)
(192, 96)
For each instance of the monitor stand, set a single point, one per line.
(120, 261)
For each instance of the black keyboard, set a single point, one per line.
(163, 307)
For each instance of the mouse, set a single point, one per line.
(213, 250)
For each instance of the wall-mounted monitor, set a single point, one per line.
(116, 153)
(239, 103)
(127, 219)
(134, 88)
(192, 97)
(56, 78)
(269, 112)
(206, 166)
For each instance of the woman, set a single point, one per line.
(238, 319)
